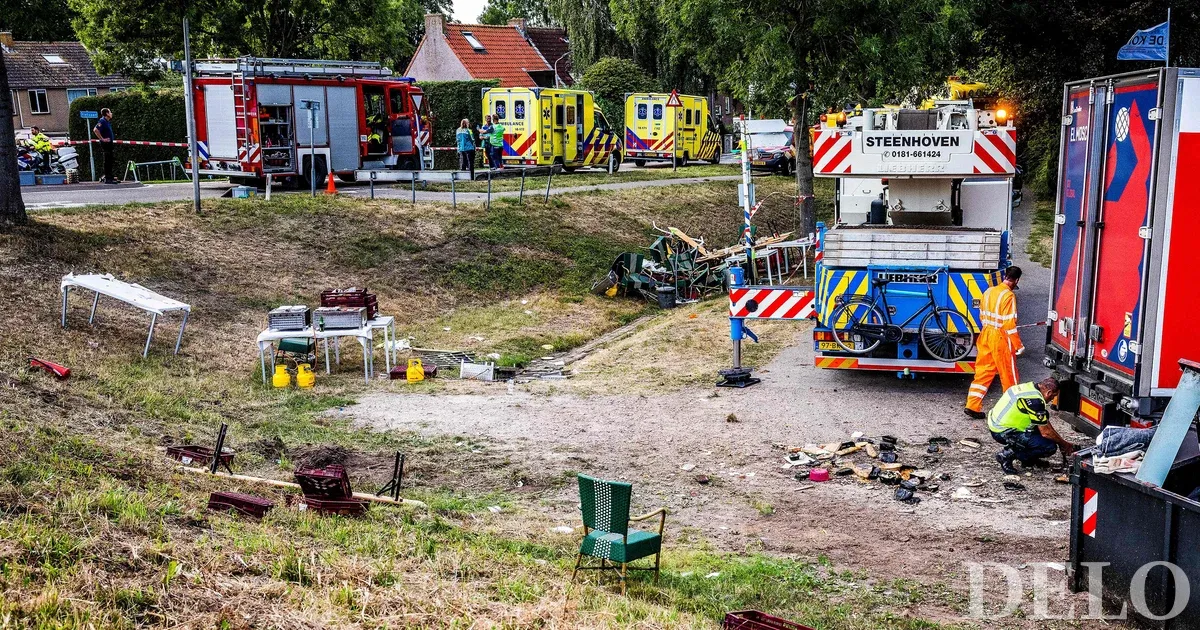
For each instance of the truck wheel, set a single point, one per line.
(639, 163)
(682, 160)
(346, 178)
(568, 169)
(785, 169)
(615, 158)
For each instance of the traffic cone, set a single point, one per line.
(330, 189)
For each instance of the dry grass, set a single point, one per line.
(98, 530)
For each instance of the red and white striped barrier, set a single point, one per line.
(771, 303)
(140, 143)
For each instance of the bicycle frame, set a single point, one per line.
(882, 299)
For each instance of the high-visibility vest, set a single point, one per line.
(1008, 414)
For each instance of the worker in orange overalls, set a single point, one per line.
(999, 343)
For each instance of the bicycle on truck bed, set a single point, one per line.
(859, 326)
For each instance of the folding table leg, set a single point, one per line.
(262, 360)
(95, 301)
(65, 291)
(337, 350)
(387, 353)
(182, 325)
(327, 355)
(367, 359)
(153, 320)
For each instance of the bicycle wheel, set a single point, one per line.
(947, 334)
(848, 322)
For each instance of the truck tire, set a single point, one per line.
(785, 169)
(639, 163)
(682, 160)
(616, 160)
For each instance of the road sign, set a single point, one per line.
(89, 114)
(673, 100)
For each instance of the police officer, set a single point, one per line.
(1021, 422)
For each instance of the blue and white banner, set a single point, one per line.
(1147, 45)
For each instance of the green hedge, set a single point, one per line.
(450, 102)
(157, 116)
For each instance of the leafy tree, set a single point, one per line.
(37, 20)
(498, 12)
(127, 35)
(846, 50)
(1029, 49)
(590, 29)
(12, 206)
(610, 79)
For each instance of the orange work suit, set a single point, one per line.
(998, 344)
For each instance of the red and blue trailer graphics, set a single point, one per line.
(1124, 291)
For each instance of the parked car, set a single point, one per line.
(771, 146)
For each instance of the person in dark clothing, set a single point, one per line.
(104, 133)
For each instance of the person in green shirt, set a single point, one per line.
(498, 144)
(1021, 422)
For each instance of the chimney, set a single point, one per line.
(6, 39)
(519, 24)
(435, 23)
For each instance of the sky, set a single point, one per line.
(468, 10)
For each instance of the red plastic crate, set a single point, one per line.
(351, 297)
(329, 483)
(196, 454)
(758, 620)
(346, 507)
(246, 504)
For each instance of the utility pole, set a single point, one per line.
(189, 103)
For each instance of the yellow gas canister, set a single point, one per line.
(281, 378)
(415, 372)
(305, 378)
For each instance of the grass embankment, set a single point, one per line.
(1040, 246)
(99, 530)
(509, 179)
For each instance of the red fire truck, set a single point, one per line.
(1124, 301)
(255, 117)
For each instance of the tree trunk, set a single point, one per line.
(12, 206)
(804, 165)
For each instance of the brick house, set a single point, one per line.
(46, 76)
(516, 54)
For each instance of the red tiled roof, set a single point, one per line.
(506, 55)
(549, 42)
(27, 68)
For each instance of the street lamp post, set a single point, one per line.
(557, 81)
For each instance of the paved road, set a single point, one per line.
(80, 195)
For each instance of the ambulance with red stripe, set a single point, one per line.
(924, 203)
(548, 126)
(658, 128)
(1124, 298)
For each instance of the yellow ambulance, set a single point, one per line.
(545, 126)
(656, 131)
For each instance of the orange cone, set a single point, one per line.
(330, 189)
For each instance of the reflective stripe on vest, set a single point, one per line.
(999, 417)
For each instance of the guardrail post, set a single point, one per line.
(453, 194)
(521, 195)
(413, 181)
(549, 178)
(488, 207)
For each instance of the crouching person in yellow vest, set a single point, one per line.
(1021, 422)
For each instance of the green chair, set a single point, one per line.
(607, 535)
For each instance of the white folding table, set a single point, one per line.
(364, 336)
(132, 294)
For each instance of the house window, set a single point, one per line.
(519, 110)
(81, 92)
(55, 59)
(641, 113)
(38, 103)
(475, 43)
(117, 89)
(658, 111)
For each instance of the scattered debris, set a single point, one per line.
(563, 529)
(969, 443)
(714, 574)
(60, 372)
(731, 418)
(872, 451)
(962, 493)
(888, 457)
(495, 509)
(1013, 485)
(818, 474)
(687, 467)
(245, 504)
(1062, 479)
(703, 480)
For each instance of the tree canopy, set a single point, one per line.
(128, 35)
(497, 12)
(610, 79)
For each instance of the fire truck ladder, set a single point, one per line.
(239, 110)
(251, 66)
